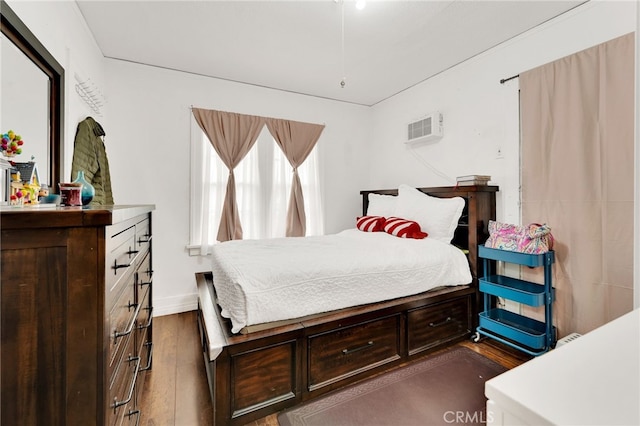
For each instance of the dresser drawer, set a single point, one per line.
(145, 316)
(120, 257)
(130, 416)
(145, 350)
(144, 275)
(121, 400)
(432, 325)
(351, 350)
(143, 234)
(122, 318)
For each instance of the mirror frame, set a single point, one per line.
(18, 33)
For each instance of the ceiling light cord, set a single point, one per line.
(343, 82)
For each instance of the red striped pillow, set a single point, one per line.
(370, 223)
(403, 228)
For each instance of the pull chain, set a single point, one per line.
(343, 82)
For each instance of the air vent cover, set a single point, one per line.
(426, 128)
(571, 337)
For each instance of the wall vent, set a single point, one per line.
(569, 338)
(425, 129)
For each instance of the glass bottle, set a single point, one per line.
(88, 191)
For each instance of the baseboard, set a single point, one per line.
(175, 304)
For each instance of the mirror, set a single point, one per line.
(32, 87)
(25, 104)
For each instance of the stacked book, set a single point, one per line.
(472, 180)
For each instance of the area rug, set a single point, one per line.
(445, 389)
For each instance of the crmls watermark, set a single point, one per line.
(464, 417)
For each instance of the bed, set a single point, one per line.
(264, 358)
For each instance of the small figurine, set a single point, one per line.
(44, 192)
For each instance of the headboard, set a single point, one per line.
(472, 230)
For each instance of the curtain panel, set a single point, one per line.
(577, 117)
(232, 136)
(296, 140)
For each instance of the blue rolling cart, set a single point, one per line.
(526, 334)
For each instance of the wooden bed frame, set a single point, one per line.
(266, 371)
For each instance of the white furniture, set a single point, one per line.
(593, 380)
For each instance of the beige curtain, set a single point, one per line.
(577, 176)
(232, 136)
(296, 140)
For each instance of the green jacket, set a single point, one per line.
(90, 155)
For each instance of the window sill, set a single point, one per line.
(194, 250)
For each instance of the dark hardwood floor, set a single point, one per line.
(176, 392)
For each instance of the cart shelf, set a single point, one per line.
(528, 331)
(526, 259)
(515, 289)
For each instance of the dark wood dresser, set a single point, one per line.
(76, 314)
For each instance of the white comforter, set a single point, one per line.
(259, 281)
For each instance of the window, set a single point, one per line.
(263, 186)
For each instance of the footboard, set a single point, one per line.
(251, 376)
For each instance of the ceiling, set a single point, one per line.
(297, 46)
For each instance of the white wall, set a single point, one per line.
(146, 119)
(147, 123)
(480, 114)
(148, 146)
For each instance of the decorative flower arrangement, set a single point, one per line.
(11, 144)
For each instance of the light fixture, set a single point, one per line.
(361, 4)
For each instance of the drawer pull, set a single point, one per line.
(148, 324)
(143, 283)
(136, 413)
(149, 274)
(116, 266)
(144, 239)
(443, 322)
(129, 329)
(150, 359)
(350, 351)
(117, 403)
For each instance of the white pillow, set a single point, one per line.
(437, 216)
(382, 205)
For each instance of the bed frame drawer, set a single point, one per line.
(264, 377)
(342, 353)
(433, 325)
